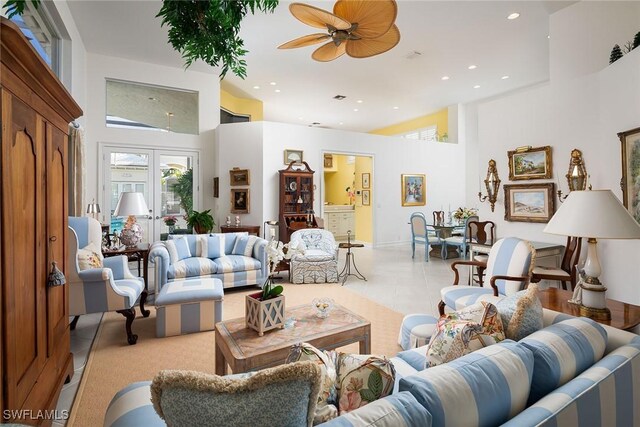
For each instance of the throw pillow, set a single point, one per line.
(88, 258)
(244, 245)
(284, 395)
(178, 249)
(521, 313)
(362, 379)
(326, 409)
(463, 332)
(211, 246)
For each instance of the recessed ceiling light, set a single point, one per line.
(256, 87)
(272, 83)
(514, 15)
(445, 77)
(341, 123)
(396, 108)
(277, 90)
(300, 118)
(359, 101)
(505, 77)
(151, 98)
(476, 87)
(355, 109)
(548, 37)
(472, 67)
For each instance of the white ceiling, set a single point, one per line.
(451, 35)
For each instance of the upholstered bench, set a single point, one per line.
(416, 330)
(187, 306)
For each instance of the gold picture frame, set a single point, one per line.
(239, 176)
(529, 202)
(532, 163)
(291, 155)
(413, 189)
(240, 200)
(630, 182)
(366, 197)
(328, 161)
(366, 180)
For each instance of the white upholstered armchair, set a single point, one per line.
(319, 264)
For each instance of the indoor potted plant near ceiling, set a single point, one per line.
(201, 222)
(264, 310)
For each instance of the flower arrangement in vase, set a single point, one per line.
(265, 310)
(170, 221)
(463, 213)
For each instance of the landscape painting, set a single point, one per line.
(414, 191)
(631, 171)
(529, 202)
(534, 163)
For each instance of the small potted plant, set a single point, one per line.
(170, 221)
(201, 222)
(264, 310)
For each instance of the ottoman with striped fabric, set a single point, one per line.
(187, 306)
(416, 330)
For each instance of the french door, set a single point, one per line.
(167, 179)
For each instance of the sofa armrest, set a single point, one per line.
(119, 266)
(96, 275)
(159, 256)
(260, 253)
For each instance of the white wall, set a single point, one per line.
(100, 67)
(252, 143)
(586, 113)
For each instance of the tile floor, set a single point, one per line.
(394, 280)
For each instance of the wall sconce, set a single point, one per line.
(492, 183)
(576, 176)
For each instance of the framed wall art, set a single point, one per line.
(293, 156)
(414, 190)
(216, 187)
(630, 141)
(240, 200)
(239, 176)
(366, 198)
(366, 180)
(328, 161)
(532, 163)
(529, 202)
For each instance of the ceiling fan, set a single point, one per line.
(358, 28)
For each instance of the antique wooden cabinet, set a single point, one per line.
(34, 318)
(296, 199)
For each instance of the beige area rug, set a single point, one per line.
(113, 364)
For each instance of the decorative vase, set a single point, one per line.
(172, 228)
(262, 316)
(200, 229)
(131, 235)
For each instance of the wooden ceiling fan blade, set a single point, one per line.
(329, 52)
(305, 41)
(365, 48)
(317, 17)
(374, 18)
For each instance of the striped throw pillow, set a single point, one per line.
(211, 247)
(244, 245)
(562, 351)
(484, 388)
(178, 249)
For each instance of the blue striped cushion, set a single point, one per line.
(509, 257)
(416, 329)
(178, 249)
(244, 245)
(483, 388)
(460, 296)
(192, 267)
(606, 394)
(397, 410)
(230, 241)
(211, 246)
(229, 263)
(416, 357)
(562, 351)
(132, 406)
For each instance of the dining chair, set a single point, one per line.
(568, 271)
(482, 234)
(508, 270)
(438, 217)
(422, 233)
(459, 241)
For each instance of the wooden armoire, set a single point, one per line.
(34, 319)
(296, 199)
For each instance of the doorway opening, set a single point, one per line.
(348, 196)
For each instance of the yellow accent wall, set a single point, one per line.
(364, 214)
(441, 119)
(338, 180)
(245, 106)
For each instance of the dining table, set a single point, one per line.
(445, 231)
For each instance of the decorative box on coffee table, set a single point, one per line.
(263, 316)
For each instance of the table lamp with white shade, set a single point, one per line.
(131, 204)
(594, 214)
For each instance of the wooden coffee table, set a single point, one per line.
(243, 350)
(623, 316)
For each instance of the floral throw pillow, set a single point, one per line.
(463, 332)
(89, 257)
(363, 379)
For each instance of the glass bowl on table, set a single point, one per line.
(323, 306)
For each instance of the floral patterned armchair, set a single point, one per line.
(319, 264)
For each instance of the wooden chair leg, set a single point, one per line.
(441, 306)
(413, 249)
(130, 314)
(564, 284)
(143, 299)
(73, 323)
(480, 275)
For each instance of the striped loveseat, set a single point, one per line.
(237, 259)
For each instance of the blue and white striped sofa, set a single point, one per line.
(232, 270)
(490, 386)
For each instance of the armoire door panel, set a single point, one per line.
(23, 165)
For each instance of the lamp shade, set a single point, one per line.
(131, 203)
(93, 207)
(593, 213)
